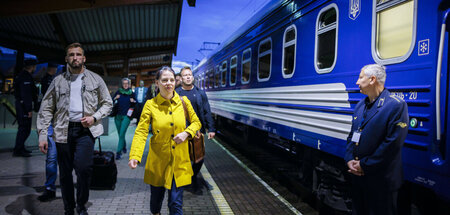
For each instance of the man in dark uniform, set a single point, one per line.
(25, 93)
(373, 155)
(51, 165)
(200, 103)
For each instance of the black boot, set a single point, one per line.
(48, 195)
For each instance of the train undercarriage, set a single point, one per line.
(316, 177)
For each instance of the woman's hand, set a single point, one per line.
(132, 163)
(181, 137)
(132, 100)
(117, 97)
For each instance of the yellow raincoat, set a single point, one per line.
(165, 159)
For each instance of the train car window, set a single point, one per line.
(393, 30)
(289, 49)
(264, 59)
(326, 39)
(211, 78)
(216, 77)
(223, 73)
(246, 66)
(233, 70)
(206, 80)
(202, 82)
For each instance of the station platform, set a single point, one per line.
(234, 188)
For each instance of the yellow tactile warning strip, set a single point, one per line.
(275, 193)
(220, 200)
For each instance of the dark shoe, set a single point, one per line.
(197, 191)
(48, 195)
(27, 151)
(118, 156)
(83, 212)
(124, 150)
(208, 186)
(21, 154)
(69, 212)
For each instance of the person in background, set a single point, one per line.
(26, 95)
(152, 92)
(75, 102)
(374, 145)
(201, 107)
(139, 93)
(125, 98)
(168, 164)
(178, 80)
(51, 165)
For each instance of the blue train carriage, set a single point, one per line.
(291, 71)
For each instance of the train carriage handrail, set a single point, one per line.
(438, 76)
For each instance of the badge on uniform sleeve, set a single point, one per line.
(356, 136)
(402, 124)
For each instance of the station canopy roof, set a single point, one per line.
(117, 35)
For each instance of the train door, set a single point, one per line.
(442, 96)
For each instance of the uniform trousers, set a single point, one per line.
(24, 128)
(370, 199)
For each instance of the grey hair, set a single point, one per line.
(126, 79)
(376, 70)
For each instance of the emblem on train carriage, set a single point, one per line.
(354, 9)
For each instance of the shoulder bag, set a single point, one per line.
(197, 143)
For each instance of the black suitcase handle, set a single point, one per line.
(99, 145)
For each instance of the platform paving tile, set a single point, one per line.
(22, 179)
(244, 194)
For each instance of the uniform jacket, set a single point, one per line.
(383, 133)
(165, 159)
(55, 105)
(204, 110)
(25, 92)
(45, 82)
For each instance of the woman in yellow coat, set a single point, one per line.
(168, 164)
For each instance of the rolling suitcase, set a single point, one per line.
(104, 171)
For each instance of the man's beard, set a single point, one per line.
(75, 66)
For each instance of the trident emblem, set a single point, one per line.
(354, 9)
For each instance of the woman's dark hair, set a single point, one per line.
(163, 69)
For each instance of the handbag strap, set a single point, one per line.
(186, 114)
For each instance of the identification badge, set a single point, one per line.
(130, 112)
(356, 136)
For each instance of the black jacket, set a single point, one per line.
(25, 91)
(203, 109)
(45, 82)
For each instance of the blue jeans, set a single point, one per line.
(51, 164)
(175, 201)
